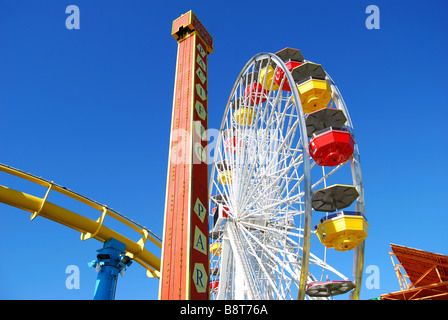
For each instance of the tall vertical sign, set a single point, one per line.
(185, 262)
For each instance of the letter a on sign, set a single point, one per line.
(200, 241)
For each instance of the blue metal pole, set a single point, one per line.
(110, 262)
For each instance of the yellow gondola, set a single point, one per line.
(343, 230)
(244, 116)
(269, 73)
(225, 177)
(315, 94)
(216, 249)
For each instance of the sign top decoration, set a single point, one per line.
(188, 23)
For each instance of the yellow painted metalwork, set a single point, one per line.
(88, 235)
(343, 232)
(225, 177)
(314, 94)
(35, 214)
(269, 74)
(89, 228)
(244, 116)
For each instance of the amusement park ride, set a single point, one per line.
(286, 158)
(422, 275)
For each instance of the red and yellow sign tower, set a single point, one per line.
(185, 263)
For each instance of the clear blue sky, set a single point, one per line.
(90, 109)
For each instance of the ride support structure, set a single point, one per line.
(111, 261)
(185, 260)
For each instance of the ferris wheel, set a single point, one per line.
(285, 165)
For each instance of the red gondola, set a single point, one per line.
(214, 285)
(233, 145)
(331, 147)
(255, 93)
(225, 211)
(280, 74)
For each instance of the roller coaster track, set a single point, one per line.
(89, 228)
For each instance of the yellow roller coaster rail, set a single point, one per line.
(89, 228)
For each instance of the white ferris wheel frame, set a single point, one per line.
(355, 165)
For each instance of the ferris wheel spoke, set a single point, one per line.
(267, 250)
(261, 265)
(286, 232)
(326, 176)
(269, 211)
(243, 270)
(225, 192)
(263, 192)
(267, 151)
(293, 165)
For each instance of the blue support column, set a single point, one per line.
(111, 261)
